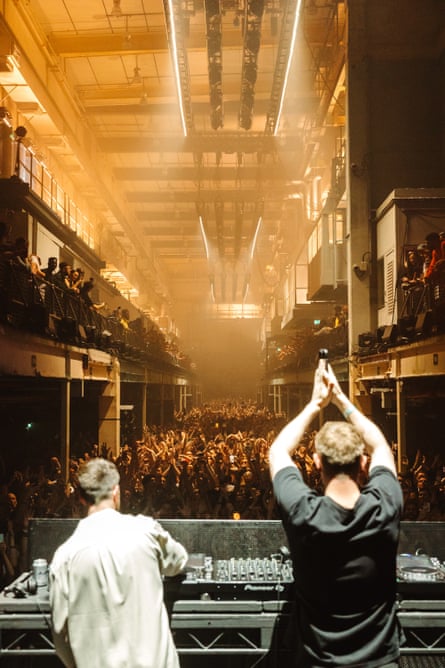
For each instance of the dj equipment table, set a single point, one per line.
(220, 628)
(234, 609)
(230, 608)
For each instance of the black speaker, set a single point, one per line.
(424, 324)
(53, 325)
(407, 326)
(38, 318)
(67, 329)
(366, 340)
(90, 331)
(82, 334)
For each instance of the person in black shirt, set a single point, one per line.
(343, 544)
(50, 270)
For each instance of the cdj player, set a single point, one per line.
(420, 576)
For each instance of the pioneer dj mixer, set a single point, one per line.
(265, 578)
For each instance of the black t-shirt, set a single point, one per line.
(345, 570)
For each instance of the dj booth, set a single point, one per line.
(232, 604)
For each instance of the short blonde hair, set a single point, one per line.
(339, 443)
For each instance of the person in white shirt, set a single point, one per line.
(106, 588)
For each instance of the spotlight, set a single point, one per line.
(360, 270)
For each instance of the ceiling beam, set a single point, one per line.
(243, 173)
(181, 247)
(177, 230)
(105, 44)
(108, 102)
(203, 143)
(202, 196)
(100, 44)
(127, 100)
(93, 44)
(178, 218)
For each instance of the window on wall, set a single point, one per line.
(340, 232)
(336, 227)
(46, 187)
(314, 241)
(36, 176)
(58, 201)
(33, 171)
(301, 280)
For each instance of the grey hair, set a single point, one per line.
(97, 479)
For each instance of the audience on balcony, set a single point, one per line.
(432, 241)
(65, 293)
(75, 280)
(61, 277)
(35, 266)
(413, 268)
(420, 278)
(85, 294)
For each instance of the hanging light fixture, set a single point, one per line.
(136, 78)
(116, 10)
(128, 39)
(144, 99)
(136, 75)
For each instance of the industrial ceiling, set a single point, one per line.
(188, 129)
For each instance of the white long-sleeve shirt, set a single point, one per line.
(106, 593)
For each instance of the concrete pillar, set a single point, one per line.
(65, 426)
(109, 410)
(401, 425)
(359, 231)
(6, 152)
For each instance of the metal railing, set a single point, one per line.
(41, 307)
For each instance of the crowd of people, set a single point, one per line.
(300, 348)
(211, 464)
(423, 275)
(65, 293)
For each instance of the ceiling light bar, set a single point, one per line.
(288, 64)
(176, 66)
(204, 237)
(255, 237)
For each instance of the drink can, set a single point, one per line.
(40, 572)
